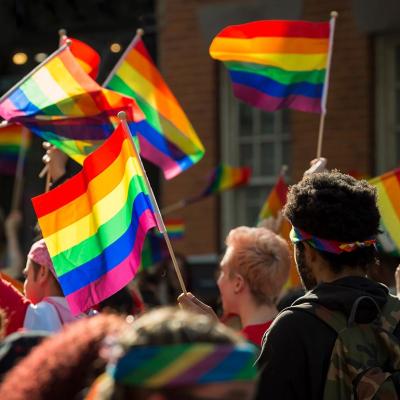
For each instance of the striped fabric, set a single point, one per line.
(276, 64)
(64, 106)
(185, 364)
(95, 223)
(167, 138)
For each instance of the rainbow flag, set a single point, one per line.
(275, 203)
(276, 64)
(11, 140)
(87, 57)
(175, 228)
(95, 223)
(166, 136)
(225, 177)
(63, 105)
(275, 200)
(388, 192)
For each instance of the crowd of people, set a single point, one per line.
(337, 340)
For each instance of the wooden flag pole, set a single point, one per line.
(138, 36)
(159, 219)
(62, 33)
(334, 15)
(19, 173)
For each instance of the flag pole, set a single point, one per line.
(138, 36)
(159, 219)
(26, 77)
(62, 33)
(332, 22)
(19, 176)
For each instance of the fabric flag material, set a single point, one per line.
(276, 64)
(175, 228)
(63, 105)
(271, 208)
(388, 193)
(11, 140)
(166, 136)
(87, 57)
(225, 177)
(95, 223)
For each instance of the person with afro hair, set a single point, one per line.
(335, 222)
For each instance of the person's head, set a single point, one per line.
(335, 221)
(63, 365)
(40, 277)
(173, 354)
(256, 264)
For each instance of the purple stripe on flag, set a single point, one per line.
(269, 103)
(115, 279)
(171, 167)
(198, 370)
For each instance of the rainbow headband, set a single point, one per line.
(185, 364)
(330, 246)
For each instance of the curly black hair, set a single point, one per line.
(335, 206)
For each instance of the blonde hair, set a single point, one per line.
(262, 258)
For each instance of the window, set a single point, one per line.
(387, 103)
(251, 137)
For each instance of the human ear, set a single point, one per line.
(43, 274)
(239, 283)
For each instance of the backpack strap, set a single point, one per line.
(334, 319)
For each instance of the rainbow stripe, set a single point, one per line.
(276, 64)
(388, 194)
(175, 228)
(225, 177)
(95, 224)
(185, 364)
(11, 140)
(167, 138)
(63, 105)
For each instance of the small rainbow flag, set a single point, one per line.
(175, 228)
(275, 203)
(388, 193)
(95, 223)
(276, 64)
(87, 57)
(166, 136)
(11, 140)
(61, 103)
(225, 177)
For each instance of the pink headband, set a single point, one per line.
(39, 254)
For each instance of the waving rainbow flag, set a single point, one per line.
(276, 64)
(166, 136)
(95, 223)
(388, 191)
(275, 200)
(61, 103)
(225, 177)
(11, 140)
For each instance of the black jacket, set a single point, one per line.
(296, 350)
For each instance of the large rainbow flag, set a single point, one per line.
(276, 64)
(166, 136)
(272, 206)
(11, 140)
(388, 191)
(61, 103)
(95, 223)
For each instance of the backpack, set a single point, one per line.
(365, 359)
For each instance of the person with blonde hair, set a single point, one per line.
(252, 274)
